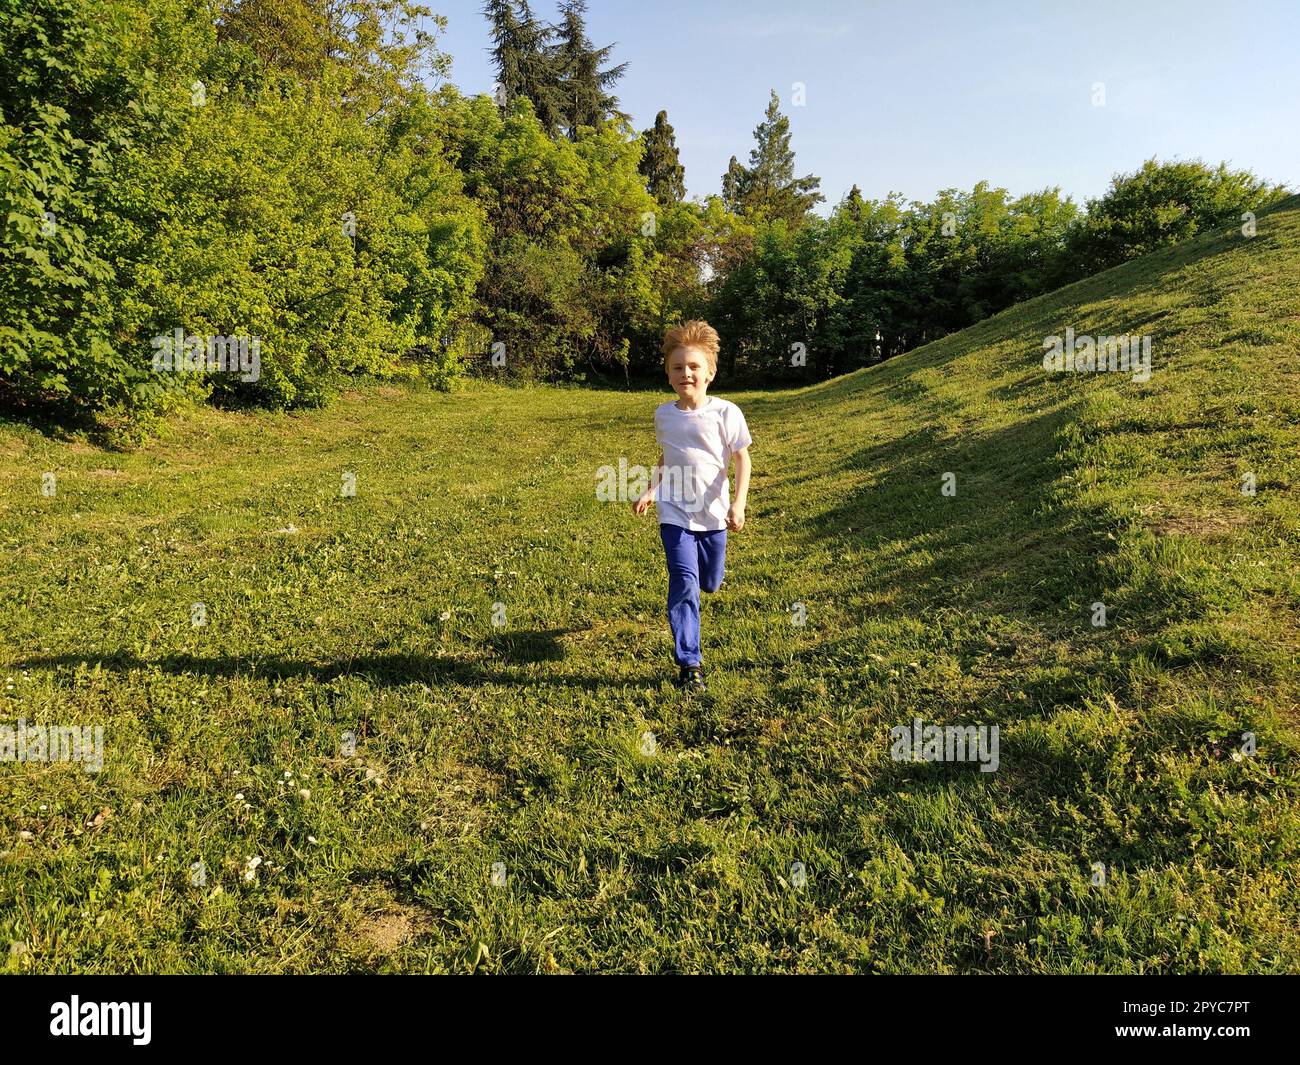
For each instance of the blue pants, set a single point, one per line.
(695, 561)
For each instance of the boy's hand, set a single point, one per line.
(736, 517)
(643, 504)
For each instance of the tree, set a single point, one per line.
(660, 164)
(767, 188)
(158, 173)
(569, 275)
(290, 35)
(877, 285)
(853, 203)
(381, 43)
(521, 50)
(582, 87)
(733, 187)
(781, 312)
(77, 102)
(1161, 204)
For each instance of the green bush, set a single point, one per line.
(194, 184)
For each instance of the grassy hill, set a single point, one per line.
(524, 744)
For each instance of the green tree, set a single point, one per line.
(567, 286)
(733, 187)
(80, 96)
(159, 173)
(767, 187)
(583, 87)
(290, 35)
(780, 313)
(521, 51)
(853, 203)
(877, 286)
(660, 165)
(1161, 204)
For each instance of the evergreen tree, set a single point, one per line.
(581, 84)
(522, 53)
(733, 187)
(767, 188)
(853, 203)
(664, 173)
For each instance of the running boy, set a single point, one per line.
(698, 435)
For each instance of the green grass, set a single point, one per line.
(522, 744)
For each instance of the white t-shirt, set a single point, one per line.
(693, 488)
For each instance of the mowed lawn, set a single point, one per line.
(439, 711)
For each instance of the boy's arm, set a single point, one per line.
(648, 496)
(736, 513)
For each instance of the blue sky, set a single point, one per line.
(915, 97)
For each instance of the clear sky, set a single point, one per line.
(915, 97)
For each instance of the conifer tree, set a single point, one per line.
(767, 188)
(733, 187)
(853, 203)
(582, 86)
(664, 173)
(521, 50)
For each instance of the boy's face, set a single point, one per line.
(689, 374)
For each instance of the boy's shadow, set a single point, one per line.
(529, 645)
(509, 650)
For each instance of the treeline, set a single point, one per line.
(876, 278)
(268, 170)
(301, 173)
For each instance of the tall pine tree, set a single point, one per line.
(767, 188)
(521, 50)
(665, 176)
(582, 85)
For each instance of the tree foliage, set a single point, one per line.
(660, 165)
(767, 189)
(301, 172)
(554, 66)
(1161, 204)
(272, 173)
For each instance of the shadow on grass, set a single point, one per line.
(1001, 540)
(998, 572)
(517, 648)
(529, 645)
(63, 422)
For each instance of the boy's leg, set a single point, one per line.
(683, 593)
(713, 556)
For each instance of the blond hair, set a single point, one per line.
(693, 334)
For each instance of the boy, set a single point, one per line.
(698, 436)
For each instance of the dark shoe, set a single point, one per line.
(691, 679)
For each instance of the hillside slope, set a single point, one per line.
(349, 713)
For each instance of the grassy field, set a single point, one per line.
(524, 743)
